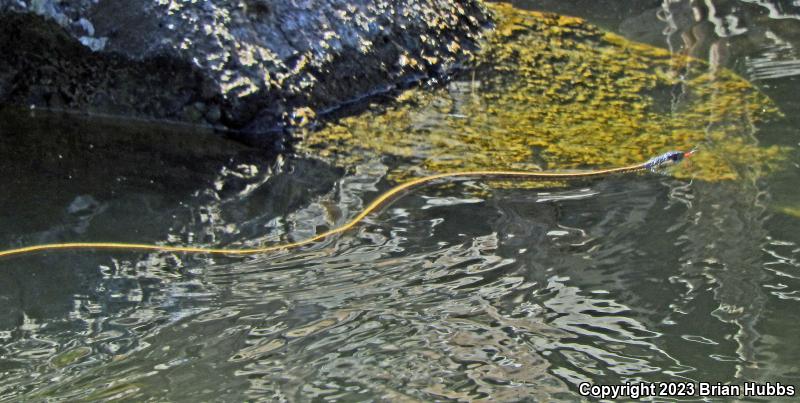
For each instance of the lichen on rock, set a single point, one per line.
(554, 92)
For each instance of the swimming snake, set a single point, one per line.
(672, 157)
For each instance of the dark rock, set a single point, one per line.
(253, 65)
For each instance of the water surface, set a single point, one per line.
(483, 290)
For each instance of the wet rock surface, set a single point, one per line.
(252, 65)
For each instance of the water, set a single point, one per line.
(490, 291)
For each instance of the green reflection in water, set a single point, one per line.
(70, 357)
(793, 211)
(553, 92)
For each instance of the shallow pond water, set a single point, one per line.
(482, 290)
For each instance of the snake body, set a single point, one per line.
(667, 158)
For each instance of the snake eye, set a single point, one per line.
(673, 157)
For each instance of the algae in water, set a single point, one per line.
(554, 92)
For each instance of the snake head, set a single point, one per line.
(668, 158)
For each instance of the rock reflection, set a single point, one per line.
(733, 34)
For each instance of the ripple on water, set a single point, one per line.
(464, 292)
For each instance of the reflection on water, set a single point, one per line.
(464, 292)
(736, 34)
(755, 37)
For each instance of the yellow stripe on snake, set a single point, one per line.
(671, 157)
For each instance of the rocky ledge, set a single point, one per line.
(254, 66)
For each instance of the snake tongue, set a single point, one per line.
(689, 153)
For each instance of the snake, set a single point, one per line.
(668, 158)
